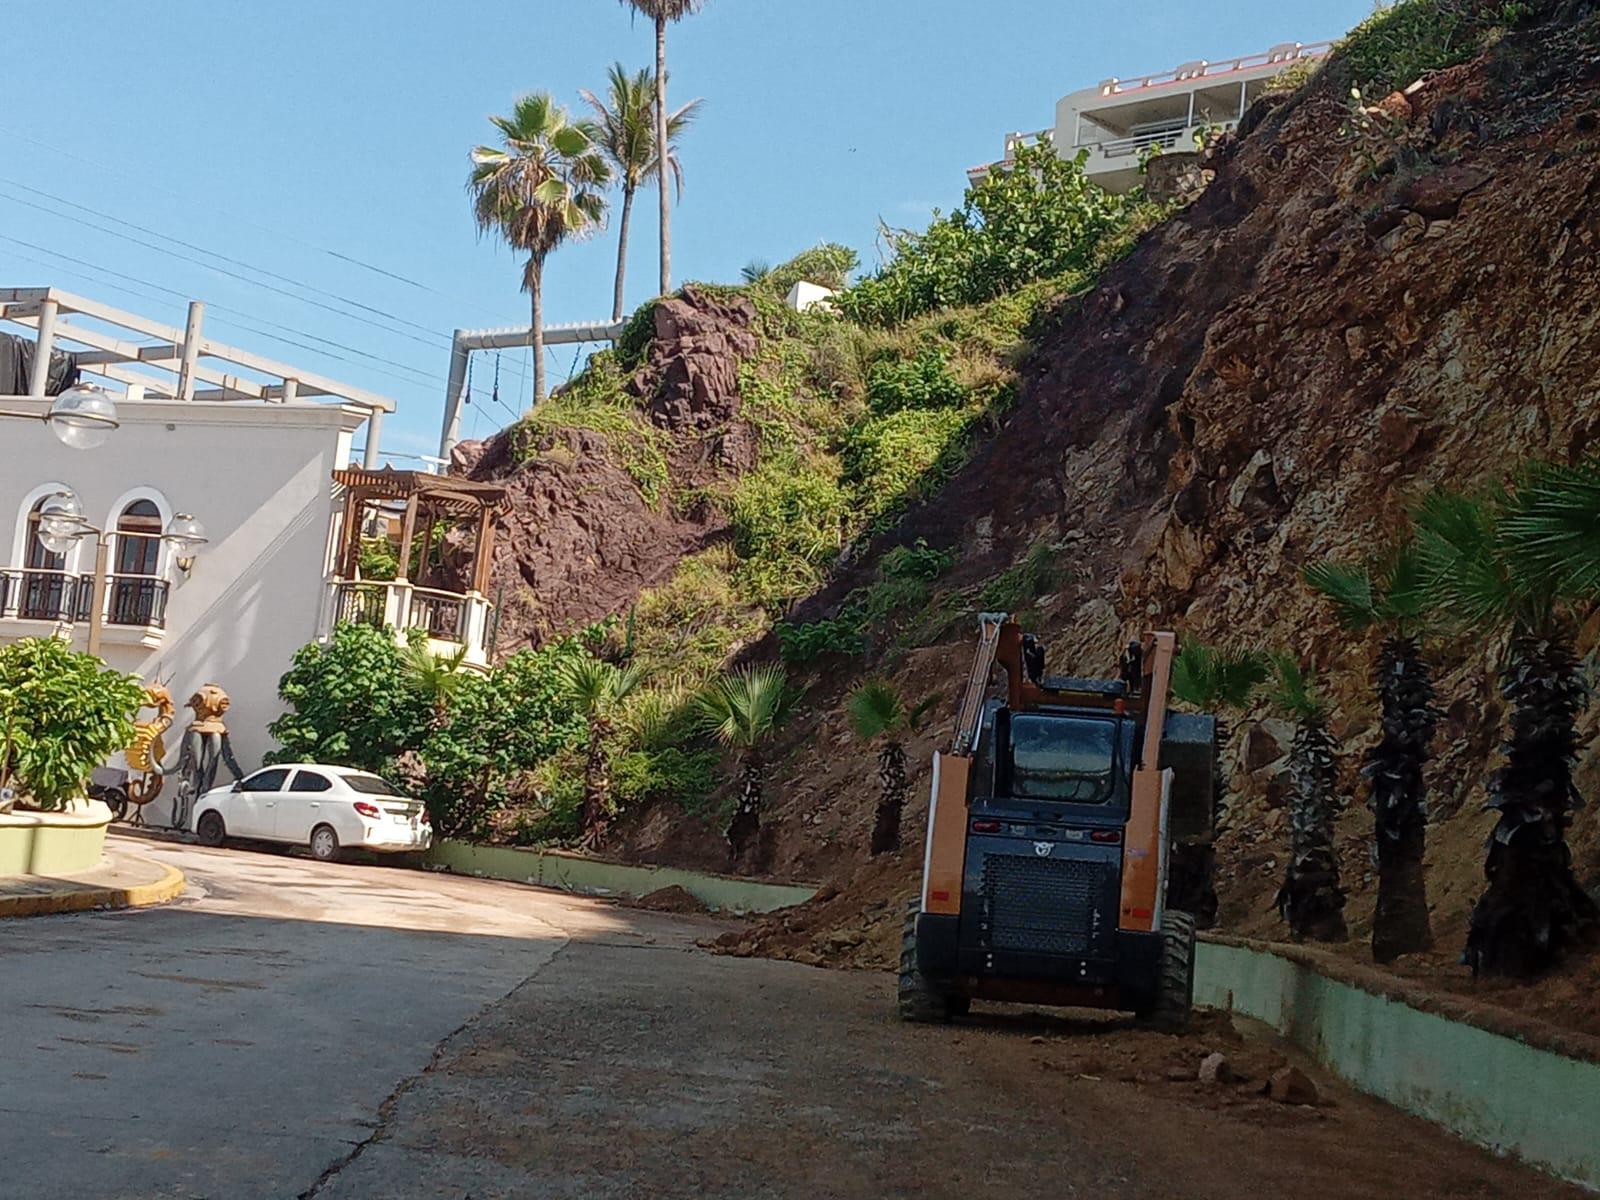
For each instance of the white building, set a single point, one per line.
(1119, 120)
(252, 457)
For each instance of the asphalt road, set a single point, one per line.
(298, 1030)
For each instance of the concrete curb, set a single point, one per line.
(1500, 1092)
(81, 899)
(596, 877)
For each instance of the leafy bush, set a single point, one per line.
(634, 343)
(788, 524)
(1039, 217)
(685, 777)
(896, 385)
(1398, 45)
(810, 640)
(350, 703)
(917, 561)
(378, 559)
(62, 714)
(1018, 587)
(498, 726)
(827, 265)
(891, 460)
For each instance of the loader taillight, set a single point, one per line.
(1109, 836)
(986, 827)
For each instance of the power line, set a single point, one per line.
(422, 376)
(437, 339)
(101, 165)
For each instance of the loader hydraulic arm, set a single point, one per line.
(971, 712)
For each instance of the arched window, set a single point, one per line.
(138, 593)
(45, 591)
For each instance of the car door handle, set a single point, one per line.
(316, 804)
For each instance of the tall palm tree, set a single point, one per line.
(544, 184)
(742, 710)
(879, 714)
(1211, 680)
(596, 688)
(625, 119)
(660, 13)
(1509, 562)
(1310, 900)
(1391, 593)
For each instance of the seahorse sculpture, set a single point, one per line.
(148, 749)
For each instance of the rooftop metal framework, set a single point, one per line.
(465, 341)
(165, 361)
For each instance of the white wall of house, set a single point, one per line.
(258, 477)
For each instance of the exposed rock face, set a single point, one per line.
(580, 541)
(1272, 378)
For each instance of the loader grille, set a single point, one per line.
(1036, 905)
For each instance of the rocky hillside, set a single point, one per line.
(1370, 299)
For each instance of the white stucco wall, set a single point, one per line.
(259, 478)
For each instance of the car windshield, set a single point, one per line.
(1064, 759)
(371, 785)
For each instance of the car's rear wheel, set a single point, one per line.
(211, 831)
(324, 844)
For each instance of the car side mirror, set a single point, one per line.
(238, 785)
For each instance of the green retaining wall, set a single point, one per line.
(594, 877)
(1497, 1091)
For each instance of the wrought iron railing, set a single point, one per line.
(360, 604)
(37, 594)
(132, 600)
(442, 614)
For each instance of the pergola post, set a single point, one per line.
(191, 350)
(407, 530)
(43, 343)
(427, 546)
(483, 554)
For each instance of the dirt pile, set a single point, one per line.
(582, 540)
(1341, 322)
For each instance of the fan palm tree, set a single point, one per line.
(1391, 594)
(1310, 900)
(660, 13)
(878, 714)
(756, 270)
(625, 119)
(544, 184)
(1508, 562)
(596, 688)
(435, 677)
(742, 710)
(1208, 679)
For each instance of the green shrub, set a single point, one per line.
(917, 561)
(637, 334)
(1014, 589)
(810, 640)
(62, 714)
(922, 382)
(1040, 217)
(891, 460)
(685, 777)
(827, 265)
(1395, 47)
(788, 522)
(350, 703)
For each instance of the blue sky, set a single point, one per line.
(326, 143)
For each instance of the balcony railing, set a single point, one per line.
(451, 618)
(1281, 56)
(38, 594)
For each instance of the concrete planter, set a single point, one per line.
(596, 877)
(1512, 1084)
(53, 843)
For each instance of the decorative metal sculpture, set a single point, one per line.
(205, 746)
(144, 756)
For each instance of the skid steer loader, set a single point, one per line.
(1044, 875)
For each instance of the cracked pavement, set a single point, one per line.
(292, 1029)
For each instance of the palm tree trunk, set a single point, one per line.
(746, 823)
(1311, 899)
(536, 290)
(1534, 911)
(661, 153)
(595, 787)
(1395, 770)
(891, 798)
(622, 249)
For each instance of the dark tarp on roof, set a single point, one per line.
(16, 364)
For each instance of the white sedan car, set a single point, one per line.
(311, 804)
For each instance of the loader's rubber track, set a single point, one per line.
(919, 1000)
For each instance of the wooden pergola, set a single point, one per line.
(428, 498)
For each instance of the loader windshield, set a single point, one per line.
(1068, 759)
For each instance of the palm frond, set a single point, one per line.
(1293, 689)
(1350, 588)
(1551, 528)
(755, 270)
(743, 708)
(1461, 559)
(1209, 678)
(664, 10)
(876, 710)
